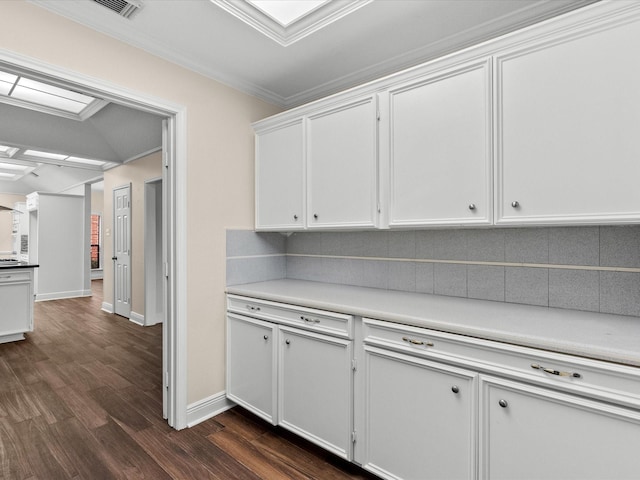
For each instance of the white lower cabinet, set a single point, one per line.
(16, 301)
(410, 403)
(298, 378)
(315, 388)
(536, 433)
(419, 418)
(252, 365)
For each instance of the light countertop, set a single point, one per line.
(614, 338)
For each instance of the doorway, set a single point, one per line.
(174, 215)
(153, 247)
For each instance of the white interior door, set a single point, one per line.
(122, 250)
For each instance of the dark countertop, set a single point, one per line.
(8, 265)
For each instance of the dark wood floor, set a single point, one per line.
(81, 398)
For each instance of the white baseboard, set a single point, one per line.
(153, 319)
(207, 408)
(97, 274)
(137, 318)
(43, 297)
(11, 338)
(107, 307)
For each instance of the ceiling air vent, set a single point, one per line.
(124, 8)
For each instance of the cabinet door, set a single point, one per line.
(16, 299)
(251, 365)
(342, 166)
(419, 418)
(567, 125)
(440, 159)
(280, 178)
(315, 394)
(534, 433)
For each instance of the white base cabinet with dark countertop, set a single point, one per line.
(369, 378)
(16, 301)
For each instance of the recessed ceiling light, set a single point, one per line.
(49, 155)
(288, 21)
(6, 151)
(286, 11)
(47, 98)
(13, 166)
(84, 160)
(50, 96)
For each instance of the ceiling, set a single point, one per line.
(115, 134)
(361, 41)
(378, 38)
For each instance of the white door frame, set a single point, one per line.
(152, 263)
(174, 216)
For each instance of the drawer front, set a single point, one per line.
(12, 276)
(583, 376)
(336, 324)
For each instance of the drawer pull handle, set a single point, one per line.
(266, 337)
(455, 389)
(252, 308)
(551, 371)
(6, 276)
(503, 403)
(309, 319)
(417, 342)
(288, 342)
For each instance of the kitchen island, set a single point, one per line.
(16, 300)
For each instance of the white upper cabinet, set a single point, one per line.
(539, 127)
(439, 148)
(280, 184)
(342, 166)
(568, 112)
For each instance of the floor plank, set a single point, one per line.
(81, 398)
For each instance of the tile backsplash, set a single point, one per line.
(255, 257)
(583, 268)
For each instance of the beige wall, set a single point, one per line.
(134, 173)
(6, 220)
(219, 164)
(97, 202)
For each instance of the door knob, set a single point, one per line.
(114, 258)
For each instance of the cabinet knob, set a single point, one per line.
(503, 403)
(288, 342)
(315, 216)
(472, 206)
(295, 217)
(266, 337)
(455, 389)
(515, 204)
